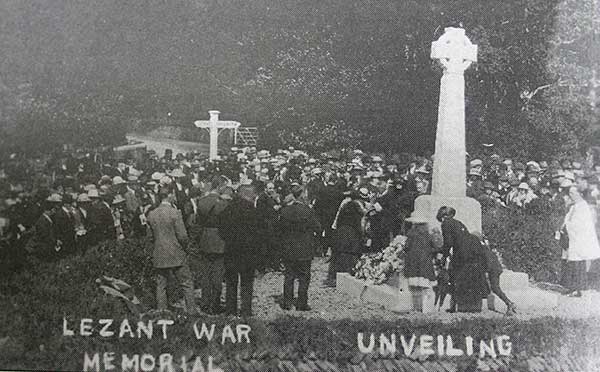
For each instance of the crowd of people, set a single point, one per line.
(215, 221)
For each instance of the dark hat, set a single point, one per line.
(67, 198)
(445, 212)
(519, 166)
(488, 185)
(399, 183)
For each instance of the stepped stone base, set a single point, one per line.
(527, 299)
(514, 284)
(392, 298)
(510, 280)
(589, 303)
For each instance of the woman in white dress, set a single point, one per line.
(583, 242)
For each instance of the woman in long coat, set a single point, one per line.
(467, 265)
(347, 245)
(470, 282)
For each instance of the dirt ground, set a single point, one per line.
(331, 304)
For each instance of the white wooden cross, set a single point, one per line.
(213, 124)
(454, 50)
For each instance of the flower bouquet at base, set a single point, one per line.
(379, 267)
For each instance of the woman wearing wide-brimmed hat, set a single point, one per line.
(420, 250)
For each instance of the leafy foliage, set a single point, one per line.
(360, 71)
(525, 238)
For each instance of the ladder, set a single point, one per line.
(246, 136)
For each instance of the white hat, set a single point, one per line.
(54, 198)
(422, 169)
(363, 192)
(93, 193)
(570, 175)
(118, 199)
(118, 180)
(475, 172)
(134, 172)
(566, 183)
(166, 180)
(524, 186)
(82, 198)
(476, 163)
(177, 173)
(156, 176)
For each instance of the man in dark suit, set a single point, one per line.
(326, 207)
(299, 227)
(238, 227)
(169, 254)
(268, 205)
(64, 225)
(43, 243)
(211, 247)
(102, 225)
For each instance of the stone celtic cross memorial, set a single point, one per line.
(213, 124)
(455, 53)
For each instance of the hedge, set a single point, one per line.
(33, 303)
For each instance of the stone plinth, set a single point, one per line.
(512, 280)
(468, 210)
(526, 299)
(394, 298)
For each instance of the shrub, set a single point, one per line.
(525, 238)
